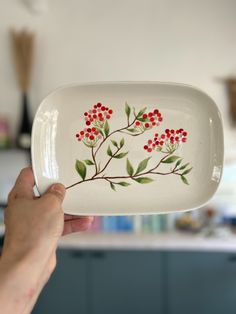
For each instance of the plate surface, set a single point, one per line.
(128, 148)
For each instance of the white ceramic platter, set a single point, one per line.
(128, 148)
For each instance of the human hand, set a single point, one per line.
(33, 228)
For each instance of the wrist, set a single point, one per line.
(19, 285)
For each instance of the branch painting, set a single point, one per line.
(161, 147)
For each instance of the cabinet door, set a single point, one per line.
(201, 283)
(126, 282)
(66, 291)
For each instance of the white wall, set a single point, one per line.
(166, 40)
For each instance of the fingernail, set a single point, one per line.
(58, 188)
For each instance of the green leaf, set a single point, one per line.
(170, 159)
(89, 162)
(141, 112)
(109, 152)
(114, 143)
(186, 171)
(133, 130)
(143, 180)
(184, 166)
(81, 168)
(141, 119)
(129, 168)
(142, 165)
(100, 131)
(121, 155)
(112, 185)
(127, 110)
(106, 128)
(123, 183)
(183, 178)
(178, 163)
(122, 142)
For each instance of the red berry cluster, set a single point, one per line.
(148, 120)
(97, 115)
(169, 140)
(89, 136)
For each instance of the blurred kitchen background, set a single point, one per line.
(162, 264)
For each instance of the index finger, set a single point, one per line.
(24, 185)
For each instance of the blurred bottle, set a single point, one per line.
(109, 224)
(23, 139)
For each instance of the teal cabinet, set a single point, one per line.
(201, 283)
(127, 282)
(67, 290)
(104, 282)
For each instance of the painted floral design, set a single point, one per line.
(162, 146)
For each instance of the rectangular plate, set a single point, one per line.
(132, 156)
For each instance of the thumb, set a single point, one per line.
(56, 190)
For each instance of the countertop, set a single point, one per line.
(165, 241)
(174, 241)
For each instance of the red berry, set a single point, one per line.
(103, 108)
(108, 116)
(95, 116)
(85, 114)
(95, 106)
(153, 123)
(101, 119)
(161, 143)
(149, 150)
(149, 142)
(94, 110)
(150, 114)
(185, 133)
(172, 138)
(93, 129)
(167, 131)
(145, 147)
(155, 138)
(177, 138)
(137, 123)
(157, 142)
(91, 137)
(160, 119)
(86, 134)
(156, 111)
(184, 139)
(110, 111)
(99, 104)
(107, 108)
(152, 119)
(100, 114)
(172, 131)
(159, 114)
(163, 136)
(88, 122)
(89, 130)
(79, 139)
(77, 135)
(146, 125)
(177, 131)
(156, 134)
(144, 116)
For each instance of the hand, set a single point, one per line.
(33, 228)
